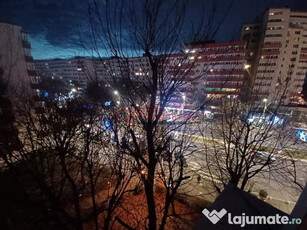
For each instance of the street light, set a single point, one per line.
(116, 92)
(265, 106)
(183, 97)
(247, 66)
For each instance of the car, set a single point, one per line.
(180, 157)
(263, 156)
(189, 145)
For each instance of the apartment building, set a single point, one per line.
(81, 70)
(223, 66)
(75, 71)
(204, 70)
(280, 54)
(227, 68)
(16, 61)
(109, 70)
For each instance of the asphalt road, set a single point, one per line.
(277, 180)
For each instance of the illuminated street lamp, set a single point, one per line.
(183, 97)
(265, 106)
(247, 66)
(117, 94)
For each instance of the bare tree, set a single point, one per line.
(248, 139)
(144, 39)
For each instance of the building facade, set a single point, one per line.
(209, 71)
(16, 61)
(279, 51)
(203, 70)
(75, 71)
(225, 64)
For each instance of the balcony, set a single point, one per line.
(229, 51)
(221, 86)
(220, 59)
(224, 79)
(274, 45)
(34, 86)
(270, 53)
(29, 58)
(226, 72)
(26, 44)
(31, 72)
(222, 92)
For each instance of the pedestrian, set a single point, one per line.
(198, 179)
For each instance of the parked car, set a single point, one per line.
(189, 145)
(180, 157)
(263, 156)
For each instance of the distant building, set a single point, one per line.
(225, 64)
(75, 71)
(212, 70)
(109, 70)
(277, 50)
(81, 70)
(209, 70)
(16, 60)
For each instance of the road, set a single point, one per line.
(276, 179)
(285, 138)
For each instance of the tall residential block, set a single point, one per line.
(16, 61)
(75, 71)
(277, 50)
(205, 70)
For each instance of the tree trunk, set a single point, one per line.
(235, 180)
(75, 194)
(95, 213)
(149, 190)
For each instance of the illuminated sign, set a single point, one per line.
(302, 135)
(107, 103)
(107, 124)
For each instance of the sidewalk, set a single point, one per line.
(203, 193)
(283, 205)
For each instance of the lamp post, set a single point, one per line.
(117, 94)
(183, 97)
(265, 107)
(247, 66)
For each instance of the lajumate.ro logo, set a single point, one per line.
(133, 115)
(243, 219)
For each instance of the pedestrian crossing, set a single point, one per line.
(196, 167)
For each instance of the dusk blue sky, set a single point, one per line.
(53, 24)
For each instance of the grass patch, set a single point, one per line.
(295, 154)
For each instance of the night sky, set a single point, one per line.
(53, 24)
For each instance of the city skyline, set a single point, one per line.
(53, 26)
(153, 114)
